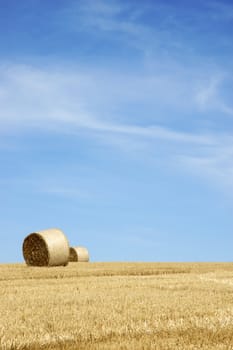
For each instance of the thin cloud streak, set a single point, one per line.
(64, 192)
(152, 132)
(104, 17)
(107, 17)
(62, 107)
(214, 166)
(221, 11)
(208, 96)
(50, 100)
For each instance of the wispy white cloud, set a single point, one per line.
(76, 101)
(168, 35)
(63, 186)
(208, 93)
(226, 109)
(54, 100)
(63, 191)
(104, 17)
(214, 165)
(154, 132)
(221, 10)
(167, 77)
(208, 96)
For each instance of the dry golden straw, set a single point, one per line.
(46, 248)
(79, 254)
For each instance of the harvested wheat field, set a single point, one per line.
(117, 306)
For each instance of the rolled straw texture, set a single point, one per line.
(46, 248)
(79, 254)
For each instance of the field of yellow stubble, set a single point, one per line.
(117, 306)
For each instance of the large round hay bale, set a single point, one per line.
(46, 248)
(79, 254)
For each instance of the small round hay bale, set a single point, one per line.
(79, 254)
(46, 248)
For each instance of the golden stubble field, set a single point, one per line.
(117, 306)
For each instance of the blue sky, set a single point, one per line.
(116, 122)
